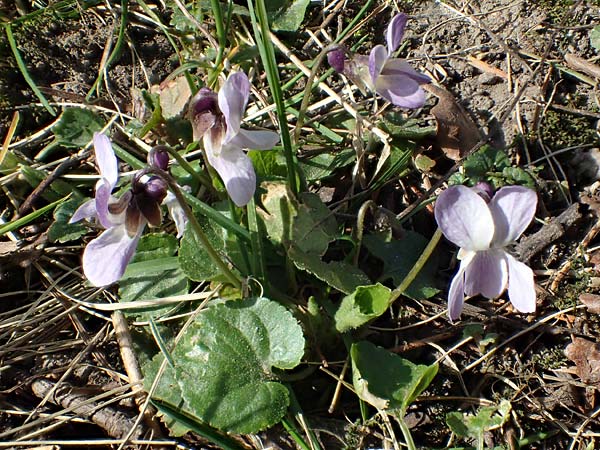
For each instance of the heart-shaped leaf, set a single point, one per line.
(224, 364)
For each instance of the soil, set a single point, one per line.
(504, 63)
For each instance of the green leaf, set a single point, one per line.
(324, 165)
(400, 127)
(364, 304)
(193, 258)
(58, 188)
(167, 391)
(398, 259)
(286, 15)
(76, 127)
(269, 164)
(61, 230)
(152, 273)
(595, 37)
(338, 274)
(385, 380)
(224, 364)
(474, 426)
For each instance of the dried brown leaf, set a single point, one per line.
(591, 301)
(456, 131)
(586, 356)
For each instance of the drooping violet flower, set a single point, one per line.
(216, 119)
(483, 230)
(392, 78)
(124, 219)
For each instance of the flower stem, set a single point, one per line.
(410, 276)
(410, 444)
(222, 265)
(200, 177)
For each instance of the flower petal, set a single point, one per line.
(255, 139)
(400, 90)
(464, 218)
(102, 198)
(398, 66)
(106, 257)
(377, 59)
(237, 173)
(86, 211)
(456, 294)
(106, 159)
(521, 287)
(233, 98)
(512, 208)
(395, 32)
(487, 274)
(176, 212)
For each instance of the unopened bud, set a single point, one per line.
(156, 189)
(336, 58)
(158, 157)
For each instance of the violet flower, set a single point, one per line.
(124, 219)
(483, 228)
(392, 78)
(216, 118)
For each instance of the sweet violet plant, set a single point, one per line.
(392, 78)
(483, 226)
(216, 119)
(124, 219)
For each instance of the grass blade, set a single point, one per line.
(23, 69)
(22, 221)
(260, 25)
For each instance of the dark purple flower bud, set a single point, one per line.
(336, 59)
(484, 190)
(203, 111)
(205, 100)
(158, 157)
(156, 189)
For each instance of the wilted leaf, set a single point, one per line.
(591, 301)
(586, 356)
(173, 96)
(456, 131)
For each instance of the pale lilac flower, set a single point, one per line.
(392, 78)
(483, 230)
(124, 219)
(216, 118)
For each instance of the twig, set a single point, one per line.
(550, 232)
(60, 169)
(115, 422)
